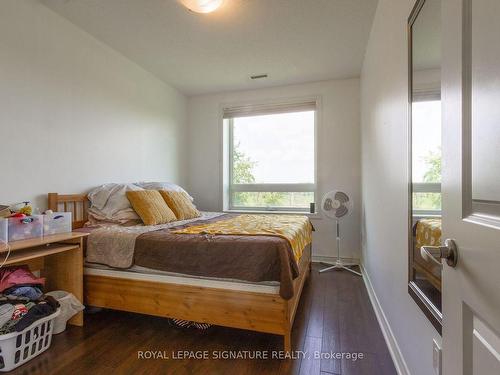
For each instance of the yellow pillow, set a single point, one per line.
(151, 207)
(180, 203)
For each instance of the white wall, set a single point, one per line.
(338, 150)
(74, 113)
(384, 182)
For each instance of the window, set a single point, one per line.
(426, 168)
(271, 157)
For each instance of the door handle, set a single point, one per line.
(435, 253)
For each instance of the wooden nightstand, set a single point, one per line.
(58, 257)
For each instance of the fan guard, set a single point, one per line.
(336, 204)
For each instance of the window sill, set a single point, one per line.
(426, 215)
(315, 215)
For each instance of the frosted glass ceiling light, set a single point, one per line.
(202, 6)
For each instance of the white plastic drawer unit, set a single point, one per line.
(23, 228)
(57, 222)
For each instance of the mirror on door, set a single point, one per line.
(424, 32)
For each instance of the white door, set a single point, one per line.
(471, 185)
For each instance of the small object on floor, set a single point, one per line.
(188, 324)
(201, 326)
(181, 323)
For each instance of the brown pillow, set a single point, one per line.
(151, 207)
(180, 204)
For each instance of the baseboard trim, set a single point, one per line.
(390, 339)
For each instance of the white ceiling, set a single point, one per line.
(292, 41)
(427, 37)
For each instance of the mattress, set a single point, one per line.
(244, 259)
(148, 274)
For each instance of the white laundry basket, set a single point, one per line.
(17, 348)
(69, 306)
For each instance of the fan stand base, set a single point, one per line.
(339, 265)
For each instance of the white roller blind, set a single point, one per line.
(424, 95)
(268, 109)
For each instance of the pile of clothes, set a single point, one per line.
(22, 301)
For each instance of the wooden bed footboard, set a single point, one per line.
(261, 312)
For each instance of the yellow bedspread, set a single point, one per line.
(294, 228)
(428, 233)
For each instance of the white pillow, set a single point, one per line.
(109, 202)
(168, 186)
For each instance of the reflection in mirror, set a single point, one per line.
(425, 155)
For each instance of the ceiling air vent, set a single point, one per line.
(259, 76)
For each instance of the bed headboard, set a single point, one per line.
(77, 204)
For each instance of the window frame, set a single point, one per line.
(426, 187)
(228, 146)
(426, 95)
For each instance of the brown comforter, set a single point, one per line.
(249, 258)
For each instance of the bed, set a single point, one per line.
(258, 306)
(427, 232)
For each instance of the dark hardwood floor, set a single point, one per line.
(334, 315)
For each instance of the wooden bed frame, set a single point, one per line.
(261, 312)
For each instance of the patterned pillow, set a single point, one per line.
(151, 207)
(180, 204)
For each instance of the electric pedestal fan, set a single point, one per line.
(337, 205)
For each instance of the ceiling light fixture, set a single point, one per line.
(202, 6)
